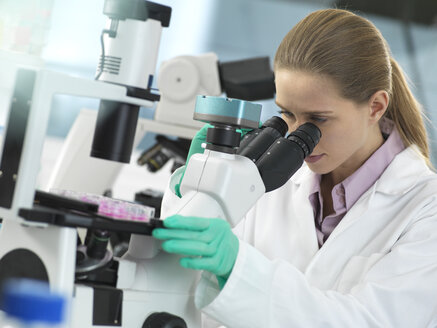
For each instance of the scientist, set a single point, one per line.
(351, 239)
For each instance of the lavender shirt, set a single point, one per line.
(347, 192)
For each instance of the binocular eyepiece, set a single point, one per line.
(276, 157)
(258, 141)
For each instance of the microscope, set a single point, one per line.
(231, 175)
(151, 289)
(38, 238)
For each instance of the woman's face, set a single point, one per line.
(347, 128)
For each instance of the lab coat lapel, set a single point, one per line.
(328, 253)
(399, 177)
(305, 230)
(403, 173)
(357, 212)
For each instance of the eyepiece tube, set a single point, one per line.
(307, 135)
(286, 155)
(256, 142)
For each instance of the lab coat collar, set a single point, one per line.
(403, 173)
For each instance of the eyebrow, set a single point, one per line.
(308, 113)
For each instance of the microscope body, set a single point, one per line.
(219, 185)
(215, 185)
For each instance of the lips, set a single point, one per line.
(313, 158)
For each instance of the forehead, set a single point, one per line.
(302, 90)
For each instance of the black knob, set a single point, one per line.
(164, 320)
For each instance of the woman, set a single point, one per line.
(351, 238)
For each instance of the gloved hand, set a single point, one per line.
(209, 243)
(196, 148)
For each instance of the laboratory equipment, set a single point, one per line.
(180, 80)
(43, 245)
(148, 285)
(132, 291)
(209, 187)
(162, 151)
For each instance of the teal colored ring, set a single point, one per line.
(235, 108)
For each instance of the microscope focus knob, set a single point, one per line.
(164, 320)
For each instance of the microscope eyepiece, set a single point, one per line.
(257, 141)
(286, 155)
(278, 124)
(306, 136)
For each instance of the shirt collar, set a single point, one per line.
(368, 173)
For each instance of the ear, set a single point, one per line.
(378, 104)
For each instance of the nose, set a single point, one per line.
(294, 125)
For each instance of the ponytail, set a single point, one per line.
(405, 111)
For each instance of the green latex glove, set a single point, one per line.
(196, 148)
(209, 244)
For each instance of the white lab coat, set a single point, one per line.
(378, 268)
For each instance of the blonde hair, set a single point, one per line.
(350, 50)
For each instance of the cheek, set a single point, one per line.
(339, 140)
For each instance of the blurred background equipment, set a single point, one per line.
(29, 303)
(159, 154)
(180, 79)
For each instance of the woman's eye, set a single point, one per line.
(286, 113)
(315, 118)
(318, 119)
